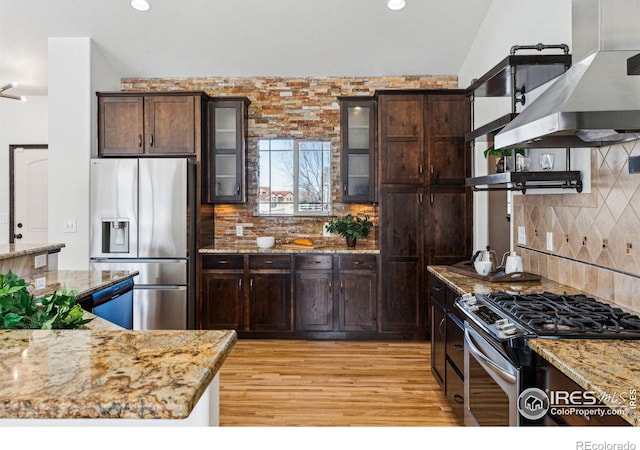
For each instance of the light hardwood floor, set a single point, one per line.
(331, 383)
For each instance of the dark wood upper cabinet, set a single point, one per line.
(225, 163)
(401, 139)
(358, 149)
(447, 119)
(154, 124)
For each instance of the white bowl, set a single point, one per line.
(265, 241)
(482, 267)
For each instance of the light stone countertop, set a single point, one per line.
(85, 282)
(108, 374)
(245, 247)
(14, 250)
(607, 367)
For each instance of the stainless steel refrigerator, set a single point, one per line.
(141, 219)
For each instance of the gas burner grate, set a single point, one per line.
(560, 314)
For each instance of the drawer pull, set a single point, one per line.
(269, 261)
(459, 399)
(356, 263)
(459, 347)
(223, 261)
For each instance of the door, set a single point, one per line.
(160, 308)
(163, 208)
(28, 207)
(114, 199)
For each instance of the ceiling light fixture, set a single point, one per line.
(14, 97)
(140, 5)
(396, 5)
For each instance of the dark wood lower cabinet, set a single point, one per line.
(447, 344)
(306, 296)
(270, 302)
(314, 300)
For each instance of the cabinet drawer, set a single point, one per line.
(357, 262)
(314, 262)
(455, 391)
(451, 297)
(437, 289)
(269, 262)
(223, 262)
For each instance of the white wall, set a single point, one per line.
(20, 123)
(76, 70)
(507, 23)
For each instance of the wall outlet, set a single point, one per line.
(40, 261)
(70, 225)
(239, 230)
(41, 283)
(325, 232)
(550, 241)
(522, 236)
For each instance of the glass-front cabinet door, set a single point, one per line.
(226, 165)
(357, 149)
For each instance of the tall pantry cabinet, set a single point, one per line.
(425, 208)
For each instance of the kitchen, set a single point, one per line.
(612, 285)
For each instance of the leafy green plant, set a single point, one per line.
(351, 226)
(21, 310)
(500, 152)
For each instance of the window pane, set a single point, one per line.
(281, 170)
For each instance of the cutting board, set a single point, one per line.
(302, 247)
(466, 268)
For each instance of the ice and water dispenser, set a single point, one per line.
(115, 235)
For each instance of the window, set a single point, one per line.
(295, 177)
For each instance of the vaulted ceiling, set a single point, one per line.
(185, 38)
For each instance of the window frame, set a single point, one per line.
(296, 179)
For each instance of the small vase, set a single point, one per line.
(351, 241)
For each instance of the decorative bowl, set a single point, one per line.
(265, 241)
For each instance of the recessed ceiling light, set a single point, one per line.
(140, 5)
(396, 5)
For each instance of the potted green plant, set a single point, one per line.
(351, 228)
(500, 154)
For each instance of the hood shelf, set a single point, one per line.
(523, 181)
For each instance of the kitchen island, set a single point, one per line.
(608, 367)
(111, 374)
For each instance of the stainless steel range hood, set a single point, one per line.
(595, 102)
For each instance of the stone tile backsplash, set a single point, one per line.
(596, 236)
(289, 107)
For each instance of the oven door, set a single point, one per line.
(491, 383)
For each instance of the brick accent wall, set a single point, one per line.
(289, 107)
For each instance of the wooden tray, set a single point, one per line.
(302, 247)
(466, 268)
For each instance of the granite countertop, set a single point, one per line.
(14, 250)
(610, 368)
(252, 247)
(85, 282)
(107, 374)
(579, 359)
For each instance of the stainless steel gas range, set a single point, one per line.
(499, 365)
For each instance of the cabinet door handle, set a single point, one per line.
(341, 286)
(237, 188)
(251, 284)
(420, 197)
(344, 188)
(240, 284)
(431, 169)
(330, 287)
(140, 140)
(151, 140)
(441, 328)
(431, 198)
(420, 170)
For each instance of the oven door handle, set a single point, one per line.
(477, 353)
